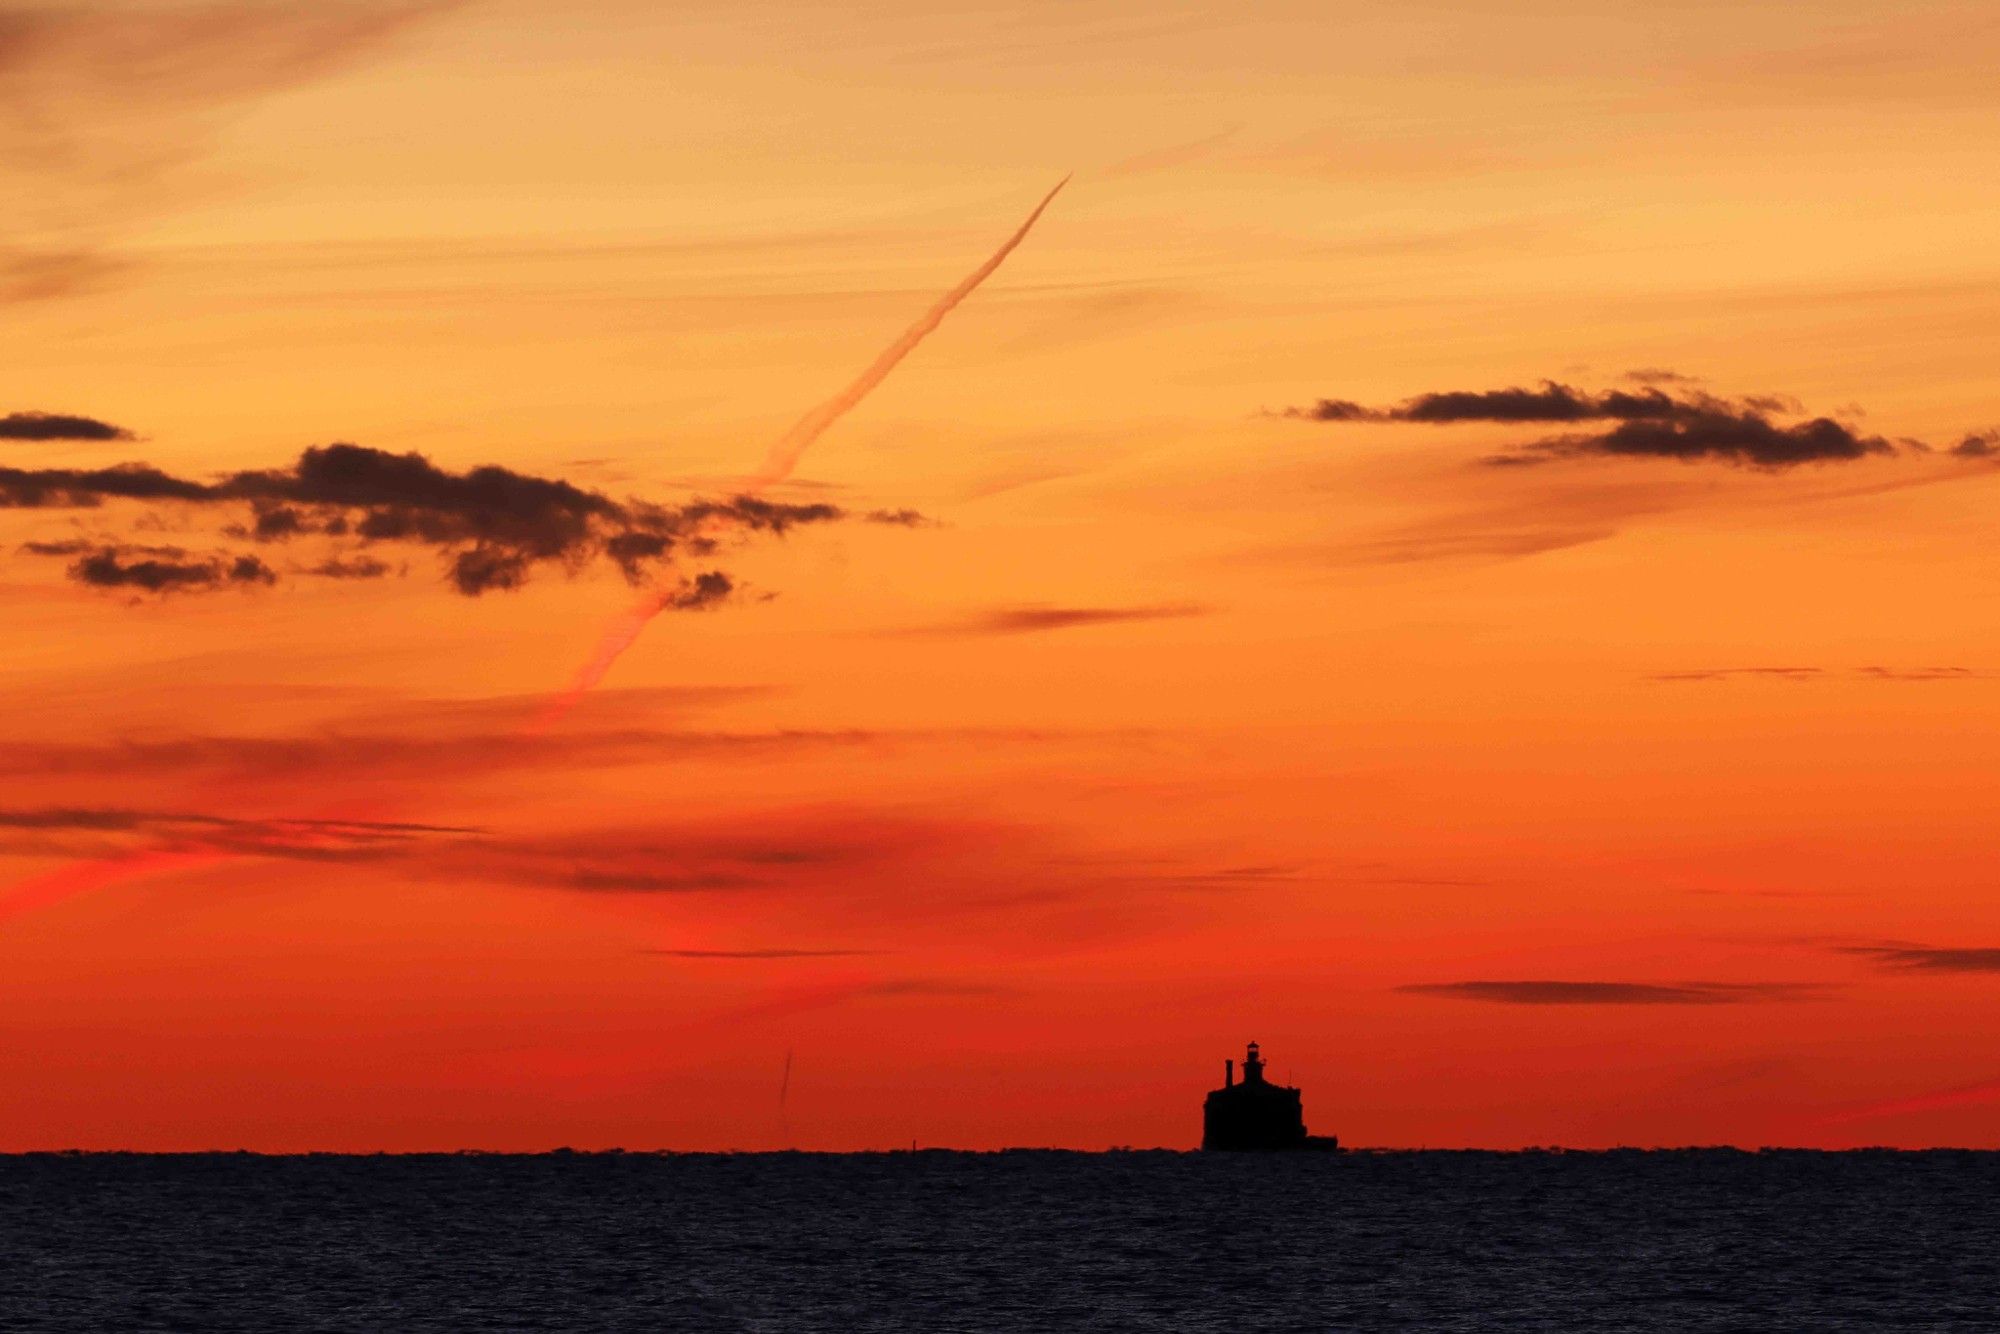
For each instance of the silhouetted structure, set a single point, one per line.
(1256, 1114)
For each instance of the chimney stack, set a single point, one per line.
(1229, 1074)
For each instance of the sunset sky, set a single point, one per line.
(1460, 547)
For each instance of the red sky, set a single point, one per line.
(1628, 790)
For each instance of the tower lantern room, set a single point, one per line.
(1256, 1114)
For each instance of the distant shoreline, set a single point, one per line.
(561, 1154)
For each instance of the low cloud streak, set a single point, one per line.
(1037, 619)
(1546, 992)
(1925, 959)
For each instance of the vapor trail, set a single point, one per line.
(624, 632)
(84, 877)
(620, 635)
(1962, 1096)
(791, 446)
(44, 891)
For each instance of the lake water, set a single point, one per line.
(939, 1241)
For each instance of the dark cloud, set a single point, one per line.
(58, 426)
(275, 523)
(406, 496)
(632, 552)
(706, 590)
(1610, 993)
(493, 525)
(1742, 436)
(484, 568)
(1552, 402)
(1655, 375)
(1725, 673)
(77, 546)
(109, 567)
(1335, 410)
(752, 512)
(1673, 422)
(359, 567)
(899, 518)
(1981, 446)
(1030, 620)
(73, 488)
(1920, 958)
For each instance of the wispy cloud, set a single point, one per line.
(1806, 675)
(1922, 674)
(46, 830)
(1170, 156)
(103, 102)
(415, 753)
(1546, 992)
(1221, 878)
(1926, 959)
(1036, 619)
(762, 853)
(760, 954)
(29, 274)
(847, 852)
(1727, 673)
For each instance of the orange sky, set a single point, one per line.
(1176, 722)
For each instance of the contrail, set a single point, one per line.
(785, 1087)
(621, 634)
(165, 858)
(1965, 1095)
(785, 454)
(624, 632)
(44, 891)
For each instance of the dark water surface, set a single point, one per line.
(935, 1241)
